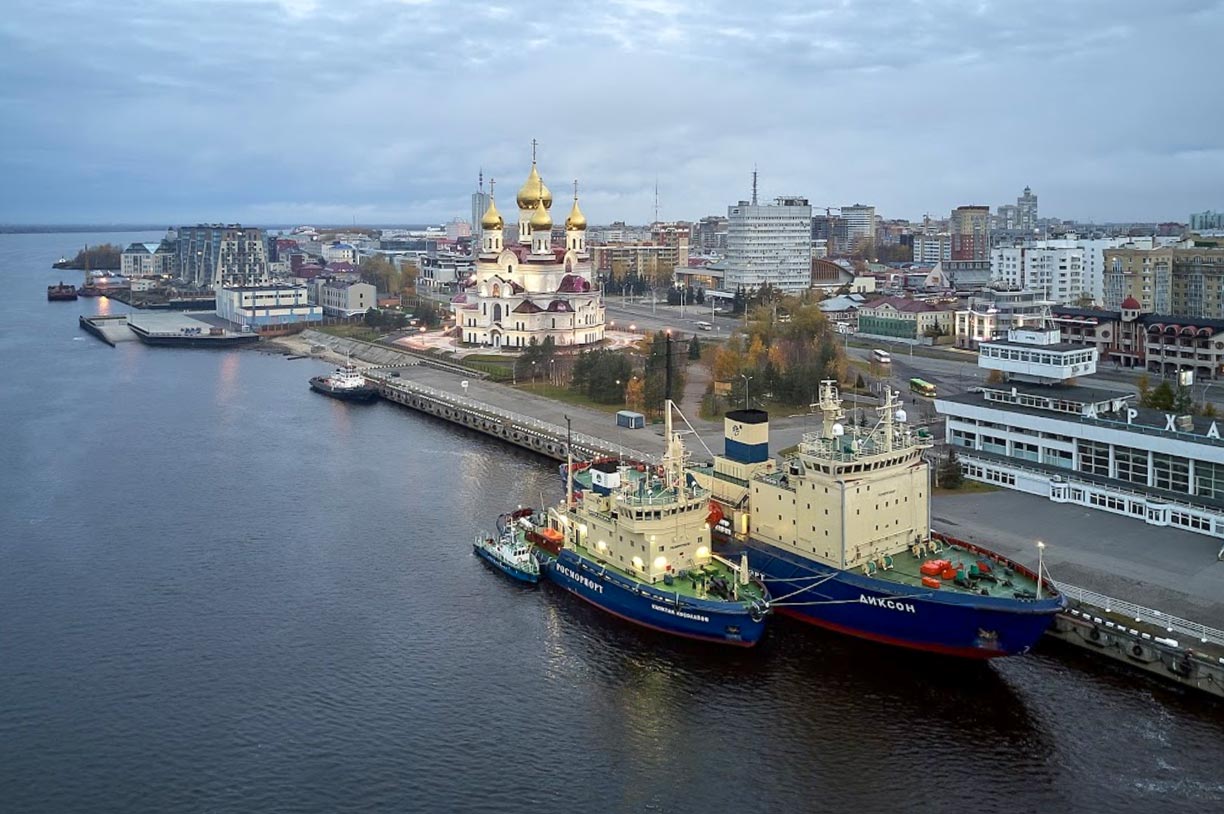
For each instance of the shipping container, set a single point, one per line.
(630, 420)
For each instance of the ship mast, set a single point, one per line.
(673, 464)
(830, 408)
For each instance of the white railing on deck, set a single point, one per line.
(1200, 632)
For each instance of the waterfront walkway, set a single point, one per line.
(1170, 569)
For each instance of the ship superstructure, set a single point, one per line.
(637, 544)
(840, 532)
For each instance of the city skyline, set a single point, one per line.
(384, 112)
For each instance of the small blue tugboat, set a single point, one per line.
(510, 552)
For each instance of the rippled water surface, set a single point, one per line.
(221, 592)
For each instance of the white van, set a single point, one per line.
(704, 326)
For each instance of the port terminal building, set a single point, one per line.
(1040, 430)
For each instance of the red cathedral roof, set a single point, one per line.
(1131, 304)
(527, 307)
(574, 284)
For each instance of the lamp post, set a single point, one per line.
(746, 379)
(1040, 565)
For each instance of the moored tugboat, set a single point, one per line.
(510, 552)
(637, 545)
(840, 533)
(62, 291)
(345, 383)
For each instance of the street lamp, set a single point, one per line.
(1040, 565)
(746, 379)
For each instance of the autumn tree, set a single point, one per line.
(381, 273)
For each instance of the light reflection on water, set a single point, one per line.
(228, 593)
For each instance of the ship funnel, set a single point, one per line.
(605, 477)
(746, 436)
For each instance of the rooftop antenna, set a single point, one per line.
(480, 180)
(754, 185)
(656, 198)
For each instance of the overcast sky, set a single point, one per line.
(383, 111)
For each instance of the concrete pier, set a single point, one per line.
(1163, 646)
(109, 328)
(521, 430)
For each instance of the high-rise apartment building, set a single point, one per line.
(1026, 211)
(1145, 274)
(970, 232)
(860, 225)
(710, 234)
(216, 255)
(831, 229)
(933, 248)
(1206, 221)
(769, 244)
(1055, 269)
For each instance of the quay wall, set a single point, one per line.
(1159, 645)
(382, 355)
(520, 430)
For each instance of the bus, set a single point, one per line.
(881, 357)
(704, 326)
(922, 388)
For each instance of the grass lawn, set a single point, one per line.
(969, 487)
(358, 331)
(564, 394)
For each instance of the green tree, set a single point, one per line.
(1183, 401)
(1209, 410)
(603, 375)
(381, 273)
(1145, 389)
(949, 473)
(1161, 398)
(429, 314)
(694, 349)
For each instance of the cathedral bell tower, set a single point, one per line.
(532, 196)
(575, 227)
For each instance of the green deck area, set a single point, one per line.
(906, 571)
(691, 586)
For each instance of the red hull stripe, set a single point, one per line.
(962, 652)
(640, 623)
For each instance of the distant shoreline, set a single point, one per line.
(81, 228)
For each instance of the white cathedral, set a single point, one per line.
(531, 288)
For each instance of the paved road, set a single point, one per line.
(1167, 569)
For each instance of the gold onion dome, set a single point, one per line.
(492, 219)
(540, 221)
(576, 219)
(534, 191)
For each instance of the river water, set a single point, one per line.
(220, 592)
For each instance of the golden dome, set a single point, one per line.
(540, 221)
(534, 191)
(492, 220)
(576, 219)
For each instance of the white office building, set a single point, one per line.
(1037, 433)
(338, 252)
(344, 298)
(769, 244)
(266, 307)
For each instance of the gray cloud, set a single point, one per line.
(382, 111)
